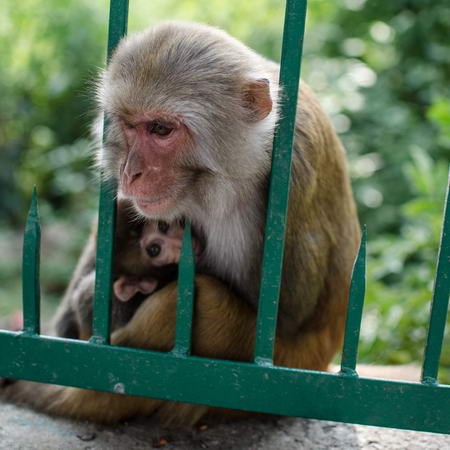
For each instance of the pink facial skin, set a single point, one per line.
(153, 143)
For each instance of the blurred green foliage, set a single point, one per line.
(381, 70)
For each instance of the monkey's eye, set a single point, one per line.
(159, 129)
(153, 250)
(128, 125)
(163, 226)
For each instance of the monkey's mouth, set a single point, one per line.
(150, 200)
(153, 205)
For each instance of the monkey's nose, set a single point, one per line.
(134, 167)
(133, 177)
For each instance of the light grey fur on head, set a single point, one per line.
(196, 72)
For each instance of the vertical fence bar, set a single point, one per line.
(118, 20)
(294, 27)
(185, 298)
(355, 309)
(30, 268)
(439, 305)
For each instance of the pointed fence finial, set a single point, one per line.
(439, 304)
(355, 309)
(30, 268)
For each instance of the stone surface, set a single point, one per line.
(21, 428)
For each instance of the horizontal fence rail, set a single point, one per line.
(259, 386)
(227, 384)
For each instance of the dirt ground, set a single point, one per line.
(23, 429)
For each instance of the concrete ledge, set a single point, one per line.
(21, 428)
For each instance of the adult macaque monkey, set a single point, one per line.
(192, 114)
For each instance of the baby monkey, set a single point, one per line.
(146, 259)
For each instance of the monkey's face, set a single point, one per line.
(189, 115)
(153, 144)
(161, 242)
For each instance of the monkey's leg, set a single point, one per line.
(102, 406)
(153, 326)
(223, 328)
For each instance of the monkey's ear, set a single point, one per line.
(257, 99)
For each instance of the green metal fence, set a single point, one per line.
(258, 386)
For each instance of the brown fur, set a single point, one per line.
(220, 182)
(221, 330)
(74, 316)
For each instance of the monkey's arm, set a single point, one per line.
(323, 232)
(223, 328)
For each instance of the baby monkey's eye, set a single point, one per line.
(153, 250)
(163, 227)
